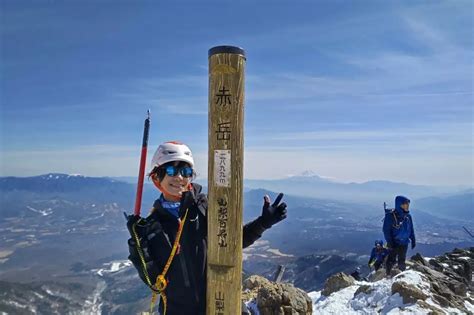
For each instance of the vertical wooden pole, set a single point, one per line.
(225, 180)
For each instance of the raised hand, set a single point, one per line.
(273, 213)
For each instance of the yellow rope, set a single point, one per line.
(160, 283)
(140, 253)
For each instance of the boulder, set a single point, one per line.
(408, 292)
(337, 282)
(418, 258)
(276, 298)
(367, 289)
(378, 275)
(432, 309)
(441, 300)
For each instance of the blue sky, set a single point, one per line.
(352, 90)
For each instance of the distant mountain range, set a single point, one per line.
(307, 184)
(310, 184)
(460, 206)
(301, 190)
(60, 232)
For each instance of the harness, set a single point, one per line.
(396, 224)
(160, 283)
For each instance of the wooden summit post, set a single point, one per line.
(225, 180)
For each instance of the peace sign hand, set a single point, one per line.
(274, 213)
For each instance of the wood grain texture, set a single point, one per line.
(225, 183)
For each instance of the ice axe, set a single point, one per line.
(141, 170)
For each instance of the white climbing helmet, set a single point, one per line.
(172, 151)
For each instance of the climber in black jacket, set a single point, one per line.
(181, 203)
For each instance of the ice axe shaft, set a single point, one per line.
(141, 171)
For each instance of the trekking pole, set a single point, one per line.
(225, 180)
(141, 171)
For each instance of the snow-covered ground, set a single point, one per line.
(112, 267)
(379, 299)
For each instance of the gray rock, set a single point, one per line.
(441, 300)
(408, 292)
(337, 282)
(433, 310)
(418, 258)
(363, 289)
(277, 298)
(450, 277)
(378, 275)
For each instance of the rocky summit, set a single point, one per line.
(440, 285)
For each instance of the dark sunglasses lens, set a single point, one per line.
(186, 171)
(171, 170)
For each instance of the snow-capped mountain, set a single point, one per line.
(309, 175)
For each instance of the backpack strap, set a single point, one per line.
(395, 218)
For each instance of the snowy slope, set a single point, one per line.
(379, 298)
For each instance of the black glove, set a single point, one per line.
(413, 244)
(131, 219)
(274, 213)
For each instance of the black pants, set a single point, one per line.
(399, 254)
(378, 264)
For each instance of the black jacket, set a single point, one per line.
(186, 290)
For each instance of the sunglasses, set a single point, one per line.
(184, 171)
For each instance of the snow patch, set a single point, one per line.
(252, 307)
(56, 293)
(93, 304)
(377, 298)
(16, 304)
(112, 267)
(336, 303)
(38, 295)
(5, 253)
(278, 253)
(469, 306)
(42, 212)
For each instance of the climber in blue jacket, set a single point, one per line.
(377, 256)
(398, 230)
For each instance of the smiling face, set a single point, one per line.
(172, 186)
